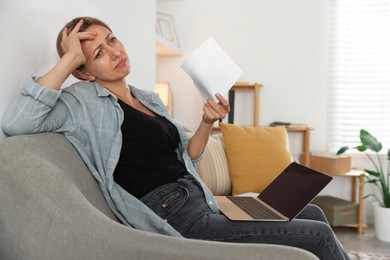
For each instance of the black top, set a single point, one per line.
(148, 158)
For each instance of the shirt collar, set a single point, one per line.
(138, 93)
(102, 91)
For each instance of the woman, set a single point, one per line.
(140, 157)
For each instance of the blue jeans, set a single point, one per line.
(183, 206)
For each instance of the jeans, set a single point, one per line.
(183, 206)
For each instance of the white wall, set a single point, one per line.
(29, 30)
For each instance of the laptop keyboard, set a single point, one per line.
(254, 208)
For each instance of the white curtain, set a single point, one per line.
(359, 94)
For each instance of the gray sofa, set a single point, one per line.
(52, 208)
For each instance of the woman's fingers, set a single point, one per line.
(65, 33)
(76, 29)
(213, 111)
(209, 115)
(74, 38)
(222, 107)
(223, 102)
(86, 36)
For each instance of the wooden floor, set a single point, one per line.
(366, 242)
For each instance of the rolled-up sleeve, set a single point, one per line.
(37, 109)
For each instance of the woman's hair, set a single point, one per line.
(88, 21)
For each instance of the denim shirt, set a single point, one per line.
(90, 117)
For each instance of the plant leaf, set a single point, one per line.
(342, 150)
(361, 148)
(369, 195)
(373, 173)
(369, 141)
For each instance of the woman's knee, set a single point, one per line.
(315, 209)
(313, 212)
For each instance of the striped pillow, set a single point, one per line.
(213, 168)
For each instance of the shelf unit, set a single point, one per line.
(255, 88)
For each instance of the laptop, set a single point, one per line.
(283, 199)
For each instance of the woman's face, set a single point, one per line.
(106, 56)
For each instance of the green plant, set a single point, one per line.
(378, 177)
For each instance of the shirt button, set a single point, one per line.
(164, 205)
(210, 202)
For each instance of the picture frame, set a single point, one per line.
(165, 28)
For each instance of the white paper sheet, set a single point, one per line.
(211, 69)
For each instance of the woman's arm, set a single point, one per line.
(36, 109)
(212, 112)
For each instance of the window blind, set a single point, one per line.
(359, 91)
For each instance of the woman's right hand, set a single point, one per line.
(72, 59)
(71, 44)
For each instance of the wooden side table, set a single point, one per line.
(357, 195)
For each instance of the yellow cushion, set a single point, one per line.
(256, 155)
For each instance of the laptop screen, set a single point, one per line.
(293, 189)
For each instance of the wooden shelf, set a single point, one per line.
(255, 87)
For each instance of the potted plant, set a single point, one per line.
(378, 177)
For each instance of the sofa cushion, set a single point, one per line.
(214, 168)
(256, 155)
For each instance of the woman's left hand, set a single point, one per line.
(213, 111)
